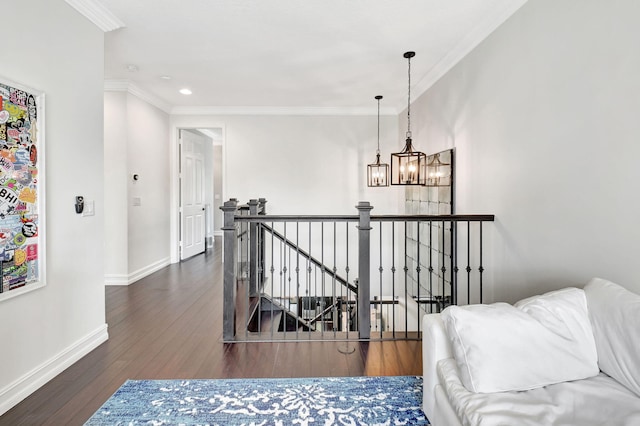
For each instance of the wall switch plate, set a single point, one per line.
(89, 208)
(137, 201)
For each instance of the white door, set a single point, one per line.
(192, 229)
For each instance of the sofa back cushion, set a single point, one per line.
(537, 342)
(615, 317)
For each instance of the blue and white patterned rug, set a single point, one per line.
(311, 401)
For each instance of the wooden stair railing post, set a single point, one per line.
(364, 262)
(262, 207)
(253, 250)
(229, 278)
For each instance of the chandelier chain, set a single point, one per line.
(378, 150)
(409, 101)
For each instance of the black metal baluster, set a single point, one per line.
(406, 278)
(323, 273)
(272, 269)
(431, 297)
(418, 269)
(481, 268)
(247, 279)
(287, 282)
(393, 274)
(309, 283)
(298, 304)
(468, 269)
(443, 269)
(348, 296)
(381, 270)
(254, 275)
(453, 250)
(338, 313)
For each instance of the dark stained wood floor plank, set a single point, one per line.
(169, 326)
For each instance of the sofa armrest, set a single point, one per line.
(435, 346)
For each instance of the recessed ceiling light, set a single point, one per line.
(165, 77)
(185, 91)
(132, 68)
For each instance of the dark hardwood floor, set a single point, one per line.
(168, 326)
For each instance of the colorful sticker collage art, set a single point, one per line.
(18, 188)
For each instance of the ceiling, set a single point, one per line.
(287, 55)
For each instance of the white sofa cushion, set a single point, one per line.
(537, 342)
(615, 316)
(598, 400)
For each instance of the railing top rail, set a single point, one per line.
(296, 218)
(379, 218)
(435, 218)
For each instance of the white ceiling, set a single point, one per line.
(332, 55)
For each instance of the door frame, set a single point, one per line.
(191, 123)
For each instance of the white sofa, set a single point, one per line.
(569, 357)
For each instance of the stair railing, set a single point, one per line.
(416, 265)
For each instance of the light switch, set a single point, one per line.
(89, 208)
(137, 201)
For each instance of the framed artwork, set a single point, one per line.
(22, 246)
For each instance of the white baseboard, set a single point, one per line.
(24, 386)
(148, 270)
(121, 279)
(115, 279)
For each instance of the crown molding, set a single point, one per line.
(116, 85)
(244, 110)
(466, 45)
(97, 13)
(127, 86)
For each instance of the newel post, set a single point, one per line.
(229, 280)
(253, 249)
(364, 271)
(262, 207)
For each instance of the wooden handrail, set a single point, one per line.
(379, 218)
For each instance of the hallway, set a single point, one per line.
(168, 326)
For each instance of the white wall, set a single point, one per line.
(148, 225)
(136, 142)
(209, 187)
(46, 330)
(116, 175)
(303, 164)
(300, 164)
(543, 116)
(217, 190)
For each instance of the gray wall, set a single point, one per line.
(543, 117)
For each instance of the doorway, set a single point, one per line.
(198, 185)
